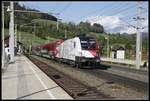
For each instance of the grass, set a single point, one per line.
(45, 22)
(96, 35)
(29, 39)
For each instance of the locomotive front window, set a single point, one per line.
(92, 45)
(84, 44)
(88, 44)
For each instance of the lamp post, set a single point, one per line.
(58, 23)
(19, 42)
(15, 35)
(107, 38)
(11, 32)
(65, 34)
(138, 37)
(3, 48)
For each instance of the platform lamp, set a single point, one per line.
(10, 9)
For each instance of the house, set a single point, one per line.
(118, 53)
(6, 45)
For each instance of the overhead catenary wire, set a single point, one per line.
(65, 8)
(118, 12)
(122, 10)
(143, 12)
(102, 10)
(135, 27)
(115, 13)
(95, 11)
(129, 24)
(110, 9)
(125, 9)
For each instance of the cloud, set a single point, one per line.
(115, 24)
(128, 30)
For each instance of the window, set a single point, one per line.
(88, 43)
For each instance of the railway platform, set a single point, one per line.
(24, 80)
(123, 61)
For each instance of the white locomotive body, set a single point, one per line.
(79, 51)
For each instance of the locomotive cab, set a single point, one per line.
(89, 55)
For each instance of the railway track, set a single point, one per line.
(111, 81)
(73, 87)
(128, 82)
(125, 68)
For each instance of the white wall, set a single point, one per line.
(112, 54)
(120, 54)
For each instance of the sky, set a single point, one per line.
(109, 14)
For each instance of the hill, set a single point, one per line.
(23, 18)
(30, 39)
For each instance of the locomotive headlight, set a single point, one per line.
(83, 60)
(97, 60)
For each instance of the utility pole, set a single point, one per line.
(11, 32)
(138, 39)
(3, 47)
(15, 35)
(19, 37)
(65, 34)
(48, 39)
(19, 42)
(138, 35)
(57, 24)
(107, 46)
(34, 30)
(107, 38)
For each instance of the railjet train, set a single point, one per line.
(79, 51)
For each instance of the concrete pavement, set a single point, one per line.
(121, 61)
(24, 80)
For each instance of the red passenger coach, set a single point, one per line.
(50, 49)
